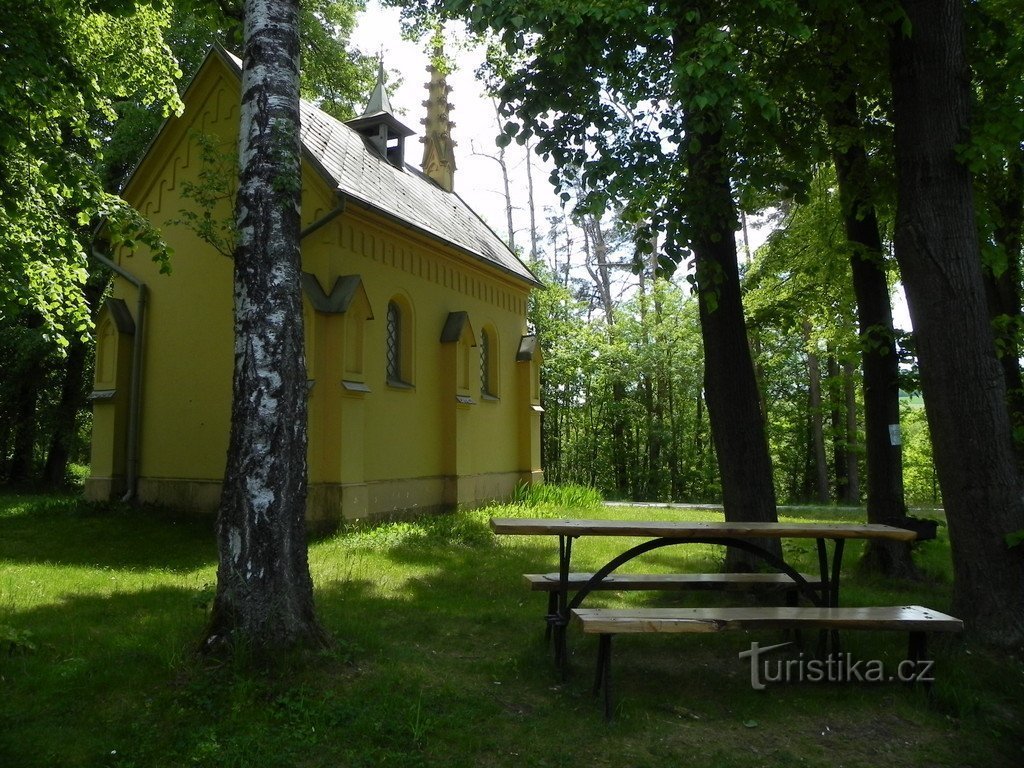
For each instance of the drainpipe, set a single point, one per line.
(135, 391)
(325, 219)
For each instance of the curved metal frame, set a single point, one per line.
(827, 596)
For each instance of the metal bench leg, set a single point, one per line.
(917, 651)
(552, 614)
(603, 677)
(794, 635)
(918, 646)
(602, 651)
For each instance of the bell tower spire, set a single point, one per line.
(438, 147)
(380, 126)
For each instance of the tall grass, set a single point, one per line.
(579, 497)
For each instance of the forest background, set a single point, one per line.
(623, 374)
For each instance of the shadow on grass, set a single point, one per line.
(70, 531)
(439, 660)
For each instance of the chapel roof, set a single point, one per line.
(360, 173)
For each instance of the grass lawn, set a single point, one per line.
(440, 659)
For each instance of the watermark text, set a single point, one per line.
(835, 668)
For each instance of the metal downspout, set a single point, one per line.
(325, 219)
(135, 390)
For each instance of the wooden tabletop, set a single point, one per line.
(689, 529)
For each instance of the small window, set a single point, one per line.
(398, 344)
(394, 349)
(485, 384)
(488, 363)
(485, 363)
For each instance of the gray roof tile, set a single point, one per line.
(361, 173)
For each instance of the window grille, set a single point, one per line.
(485, 363)
(394, 342)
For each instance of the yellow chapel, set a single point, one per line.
(423, 378)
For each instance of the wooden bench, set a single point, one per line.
(606, 623)
(626, 582)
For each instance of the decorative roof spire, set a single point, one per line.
(379, 101)
(438, 147)
(379, 124)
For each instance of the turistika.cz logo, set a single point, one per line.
(836, 668)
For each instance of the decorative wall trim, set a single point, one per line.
(121, 315)
(527, 349)
(346, 289)
(361, 240)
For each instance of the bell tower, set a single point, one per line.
(379, 124)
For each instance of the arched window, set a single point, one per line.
(488, 363)
(485, 363)
(394, 343)
(399, 343)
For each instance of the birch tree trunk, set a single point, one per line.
(937, 248)
(264, 598)
(534, 238)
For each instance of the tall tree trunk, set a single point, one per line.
(852, 441)
(73, 391)
(879, 359)
(29, 372)
(509, 223)
(839, 467)
(817, 422)
(656, 470)
(674, 436)
(964, 391)
(1003, 292)
(264, 595)
(72, 398)
(534, 235)
(22, 466)
(733, 398)
(730, 387)
(595, 250)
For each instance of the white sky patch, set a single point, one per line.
(477, 179)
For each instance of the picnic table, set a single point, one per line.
(823, 592)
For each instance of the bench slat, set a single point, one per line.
(913, 618)
(548, 582)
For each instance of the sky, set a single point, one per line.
(478, 178)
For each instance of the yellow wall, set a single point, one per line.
(374, 447)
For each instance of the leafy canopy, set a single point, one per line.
(65, 62)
